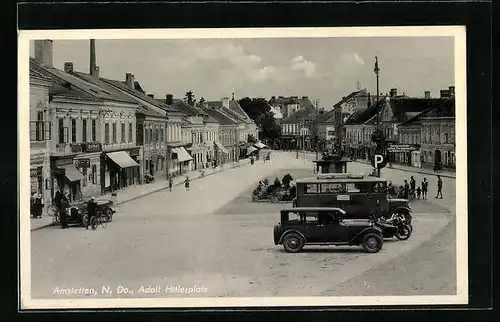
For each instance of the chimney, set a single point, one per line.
(92, 57)
(43, 52)
(96, 72)
(452, 91)
(151, 95)
(129, 80)
(68, 67)
(394, 92)
(427, 94)
(170, 99)
(225, 102)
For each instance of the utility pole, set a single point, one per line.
(316, 132)
(377, 70)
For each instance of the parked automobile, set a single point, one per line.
(357, 194)
(325, 226)
(77, 214)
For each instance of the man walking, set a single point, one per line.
(186, 183)
(440, 188)
(425, 185)
(63, 211)
(91, 212)
(413, 183)
(406, 189)
(170, 183)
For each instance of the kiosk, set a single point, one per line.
(332, 163)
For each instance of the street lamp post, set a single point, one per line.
(377, 70)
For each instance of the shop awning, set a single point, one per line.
(71, 172)
(251, 150)
(259, 145)
(182, 154)
(122, 159)
(221, 147)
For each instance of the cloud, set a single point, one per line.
(299, 63)
(358, 59)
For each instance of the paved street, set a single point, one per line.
(215, 238)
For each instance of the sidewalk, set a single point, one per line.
(446, 174)
(138, 191)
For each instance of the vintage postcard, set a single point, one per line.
(221, 168)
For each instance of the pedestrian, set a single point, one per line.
(170, 183)
(419, 192)
(425, 186)
(439, 188)
(38, 206)
(413, 183)
(91, 212)
(406, 189)
(63, 211)
(186, 183)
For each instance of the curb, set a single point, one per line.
(153, 191)
(416, 171)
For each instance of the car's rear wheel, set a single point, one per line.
(293, 242)
(109, 215)
(404, 232)
(372, 243)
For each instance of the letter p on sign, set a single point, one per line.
(379, 159)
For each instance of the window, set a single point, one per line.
(311, 188)
(123, 133)
(146, 136)
(61, 131)
(311, 217)
(130, 132)
(93, 131)
(332, 188)
(162, 138)
(84, 131)
(106, 133)
(151, 135)
(94, 174)
(114, 133)
(158, 135)
(40, 126)
(446, 138)
(73, 130)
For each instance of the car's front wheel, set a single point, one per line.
(293, 242)
(372, 243)
(404, 232)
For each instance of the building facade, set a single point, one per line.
(40, 136)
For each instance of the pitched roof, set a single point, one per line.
(446, 108)
(402, 108)
(236, 107)
(361, 116)
(326, 116)
(348, 97)
(70, 80)
(220, 117)
(140, 95)
(298, 116)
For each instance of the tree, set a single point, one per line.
(286, 180)
(201, 102)
(189, 98)
(259, 110)
(277, 183)
(251, 139)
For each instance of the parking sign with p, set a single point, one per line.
(378, 161)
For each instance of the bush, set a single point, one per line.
(265, 182)
(277, 183)
(255, 192)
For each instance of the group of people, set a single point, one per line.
(410, 189)
(187, 182)
(61, 201)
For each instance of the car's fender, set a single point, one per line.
(291, 231)
(401, 209)
(367, 230)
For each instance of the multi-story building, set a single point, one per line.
(297, 128)
(227, 144)
(40, 136)
(429, 137)
(94, 131)
(289, 105)
(174, 155)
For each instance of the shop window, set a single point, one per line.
(73, 130)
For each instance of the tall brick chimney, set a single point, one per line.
(129, 80)
(394, 92)
(92, 57)
(68, 67)
(43, 52)
(427, 94)
(169, 99)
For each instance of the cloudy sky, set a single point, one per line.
(321, 68)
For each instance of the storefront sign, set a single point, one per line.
(63, 161)
(134, 152)
(90, 147)
(401, 148)
(82, 163)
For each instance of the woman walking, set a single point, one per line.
(186, 183)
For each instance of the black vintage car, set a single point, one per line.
(77, 212)
(357, 194)
(325, 226)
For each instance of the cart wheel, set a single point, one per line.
(109, 215)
